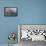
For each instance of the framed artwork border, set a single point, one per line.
(13, 15)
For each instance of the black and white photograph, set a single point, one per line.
(10, 11)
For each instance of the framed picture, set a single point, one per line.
(10, 11)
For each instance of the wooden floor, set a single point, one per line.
(30, 43)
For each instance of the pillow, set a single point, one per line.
(24, 34)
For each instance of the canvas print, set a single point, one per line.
(10, 11)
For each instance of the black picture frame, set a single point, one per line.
(10, 11)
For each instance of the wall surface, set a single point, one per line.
(29, 12)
